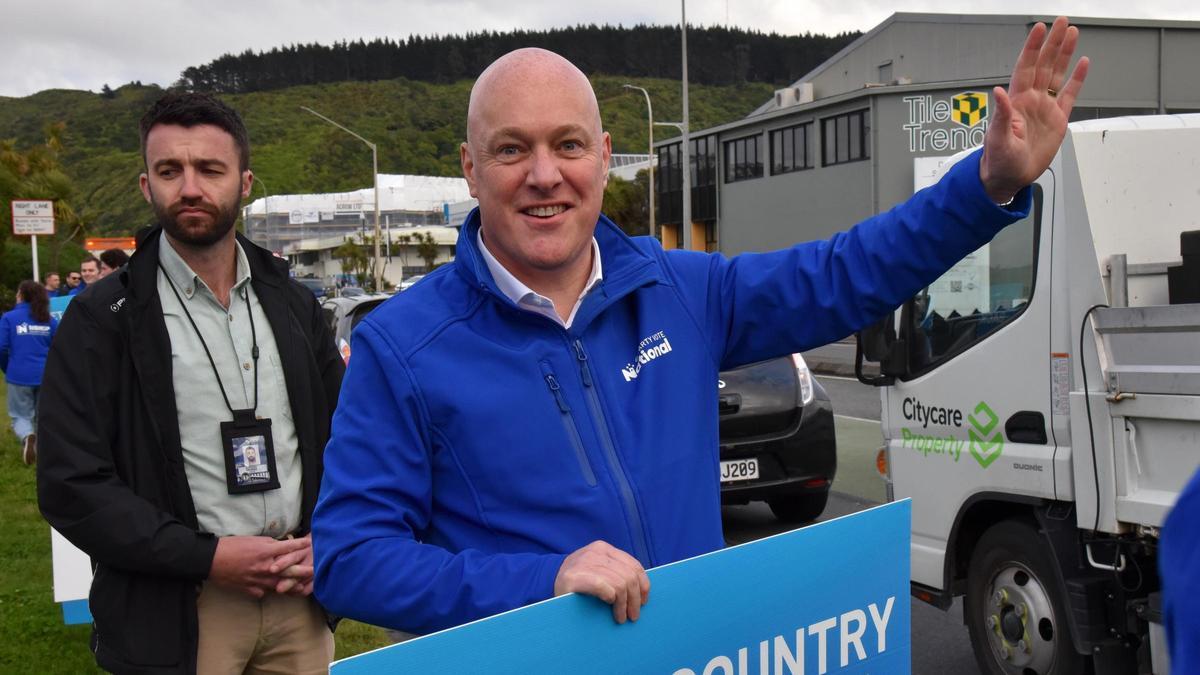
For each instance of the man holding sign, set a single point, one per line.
(537, 418)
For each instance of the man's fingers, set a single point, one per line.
(1063, 61)
(620, 605)
(300, 572)
(1048, 54)
(288, 559)
(1070, 92)
(285, 585)
(1002, 111)
(609, 574)
(1023, 72)
(633, 594)
(285, 546)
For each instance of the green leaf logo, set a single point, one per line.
(985, 451)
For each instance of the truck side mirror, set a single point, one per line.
(878, 343)
(877, 339)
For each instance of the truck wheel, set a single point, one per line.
(1014, 608)
(799, 508)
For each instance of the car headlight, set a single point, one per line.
(805, 377)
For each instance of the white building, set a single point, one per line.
(406, 202)
(314, 257)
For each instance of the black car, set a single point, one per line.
(777, 438)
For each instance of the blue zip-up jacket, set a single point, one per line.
(476, 444)
(24, 344)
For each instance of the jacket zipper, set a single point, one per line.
(569, 424)
(640, 544)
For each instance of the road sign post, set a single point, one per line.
(31, 217)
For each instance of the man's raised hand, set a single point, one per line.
(1029, 121)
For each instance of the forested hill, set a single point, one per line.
(417, 125)
(716, 56)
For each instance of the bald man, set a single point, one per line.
(537, 417)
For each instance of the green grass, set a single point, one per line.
(34, 638)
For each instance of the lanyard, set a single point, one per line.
(211, 362)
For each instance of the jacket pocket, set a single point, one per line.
(568, 420)
(137, 619)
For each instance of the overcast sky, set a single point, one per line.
(84, 44)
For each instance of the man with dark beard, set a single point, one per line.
(160, 375)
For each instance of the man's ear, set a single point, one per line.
(607, 153)
(468, 166)
(144, 183)
(247, 182)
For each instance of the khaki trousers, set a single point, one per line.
(277, 634)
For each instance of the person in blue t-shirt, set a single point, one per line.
(25, 334)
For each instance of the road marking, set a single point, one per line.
(856, 419)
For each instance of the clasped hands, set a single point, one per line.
(260, 565)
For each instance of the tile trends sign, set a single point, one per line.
(951, 124)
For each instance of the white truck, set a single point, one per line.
(1041, 406)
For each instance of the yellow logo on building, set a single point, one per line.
(970, 108)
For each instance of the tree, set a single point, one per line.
(36, 174)
(107, 92)
(626, 203)
(353, 258)
(427, 249)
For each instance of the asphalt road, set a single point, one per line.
(940, 644)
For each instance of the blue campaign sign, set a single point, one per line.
(828, 598)
(58, 305)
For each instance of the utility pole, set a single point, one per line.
(687, 144)
(650, 116)
(375, 173)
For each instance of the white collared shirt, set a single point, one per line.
(199, 400)
(530, 300)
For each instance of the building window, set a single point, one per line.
(743, 161)
(668, 181)
(789, 149)
(844, 138)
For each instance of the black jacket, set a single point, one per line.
(110, 467)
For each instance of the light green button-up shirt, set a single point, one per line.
(202, 409)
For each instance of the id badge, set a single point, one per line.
(249, 454)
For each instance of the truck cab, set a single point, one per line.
(1041, 406)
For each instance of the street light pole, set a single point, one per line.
(687, 145)
(650, 116)
(375, 173)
